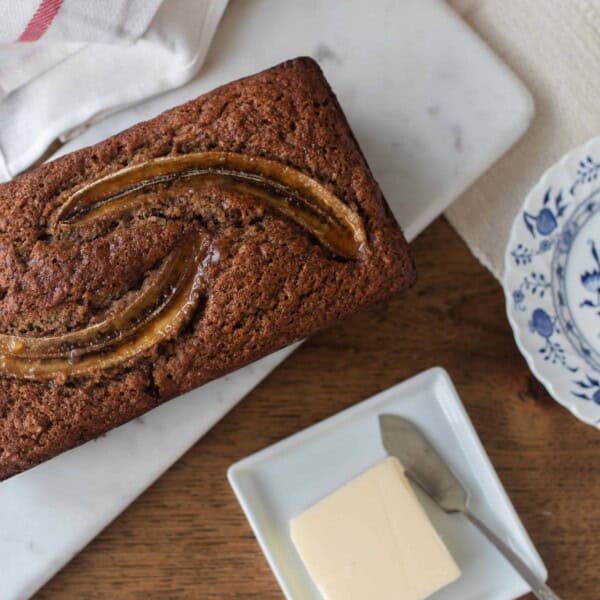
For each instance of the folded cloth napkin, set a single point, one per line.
(554, 47)
(66, 63)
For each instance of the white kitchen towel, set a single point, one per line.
(554, 47)
(66, 63)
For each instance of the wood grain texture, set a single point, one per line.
(186, 537)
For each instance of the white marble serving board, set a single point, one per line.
(432, 107)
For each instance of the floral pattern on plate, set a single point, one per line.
(552, 281)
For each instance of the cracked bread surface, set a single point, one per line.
(268, 281)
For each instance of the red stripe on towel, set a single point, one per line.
(41, 20)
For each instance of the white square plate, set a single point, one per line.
(281, 481)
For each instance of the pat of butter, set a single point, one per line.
(372, 539)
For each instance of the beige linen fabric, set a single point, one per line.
(554, 47)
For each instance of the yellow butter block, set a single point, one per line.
(373, 539)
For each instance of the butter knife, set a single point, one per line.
(424, 466)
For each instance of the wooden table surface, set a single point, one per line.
(186, 537)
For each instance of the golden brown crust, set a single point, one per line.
(272, 283)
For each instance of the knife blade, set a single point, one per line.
(422, 463)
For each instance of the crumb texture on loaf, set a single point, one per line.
(91, 256)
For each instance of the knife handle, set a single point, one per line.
(538, 587)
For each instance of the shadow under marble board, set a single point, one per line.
(431, 106)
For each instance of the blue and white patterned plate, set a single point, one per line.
(552, 281)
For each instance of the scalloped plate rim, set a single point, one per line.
(537, 191)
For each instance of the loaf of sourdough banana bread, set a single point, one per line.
(179, 250)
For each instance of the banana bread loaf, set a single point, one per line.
(180, 249)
